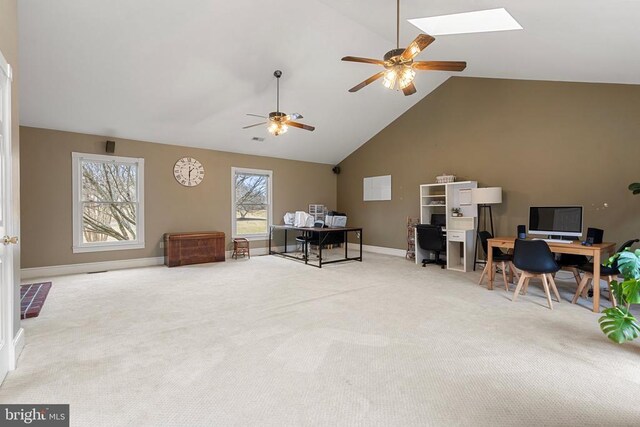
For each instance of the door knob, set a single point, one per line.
(10, 240)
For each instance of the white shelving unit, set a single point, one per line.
(317, 212)
(440, 199)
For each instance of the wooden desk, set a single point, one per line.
(596, 251)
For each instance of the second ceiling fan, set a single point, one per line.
(279, 122)
(399, 64)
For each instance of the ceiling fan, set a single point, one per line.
(399, 64)
(279, 122)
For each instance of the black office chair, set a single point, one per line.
(499, 257)
(534, 259)
(314, 236)
(430, 238)
(308, 239)
(628, 244)
(609, 272)
(572, 263)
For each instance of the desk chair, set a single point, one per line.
(534, 259)
(309, 238)
(499, 257)
(326, 238)
(431, 238)
(609, 272)
(572, 263)
(314, 236)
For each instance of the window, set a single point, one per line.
(251, 209)
(108, 208)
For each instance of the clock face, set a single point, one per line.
(188, 171)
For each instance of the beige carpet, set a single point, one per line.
(271, 342)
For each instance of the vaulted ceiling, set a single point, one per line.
(186, 72)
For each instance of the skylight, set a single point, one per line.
(481, 21)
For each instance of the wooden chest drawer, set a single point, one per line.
(193, 248)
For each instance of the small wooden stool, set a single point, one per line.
(240, 247)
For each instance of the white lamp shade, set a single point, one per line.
(486, 196)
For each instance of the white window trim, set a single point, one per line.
(78, 245)
(234, 231)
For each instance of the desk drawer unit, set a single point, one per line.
(456, 236)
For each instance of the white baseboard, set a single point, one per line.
(264, 251)
(254, 252)
(18, 346)
(89, 267)
(378, 250)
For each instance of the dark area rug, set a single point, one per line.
(32, 298)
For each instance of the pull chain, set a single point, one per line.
(398, 26)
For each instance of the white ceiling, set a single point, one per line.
(185, 72)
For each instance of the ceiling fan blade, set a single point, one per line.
(368, 81)
(440, 65)
(257, 115)
(409, 90)
(257, 124)
(417, 46)
(300, 125)
(363, 60)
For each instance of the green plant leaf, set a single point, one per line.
(634, 187)
(619, 325)
(611, 261)
(629, 264)
(616, 288)
(631, 291)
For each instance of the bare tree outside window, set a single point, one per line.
(252, 194)
(109, 201)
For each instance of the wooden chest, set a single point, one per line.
(193, 248)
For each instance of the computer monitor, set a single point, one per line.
(555, 220)
(439, 219)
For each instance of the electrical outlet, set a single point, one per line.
(161, 245)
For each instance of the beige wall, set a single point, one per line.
(169, 207)
(9, 48)
(545, 143)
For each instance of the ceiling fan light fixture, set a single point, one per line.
(279, 122)
(400, 76)
(390, 78)
(400, 65)
(406, 77)
(276, 128)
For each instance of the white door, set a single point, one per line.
(6, 260)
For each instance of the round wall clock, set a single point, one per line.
(188, 171)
